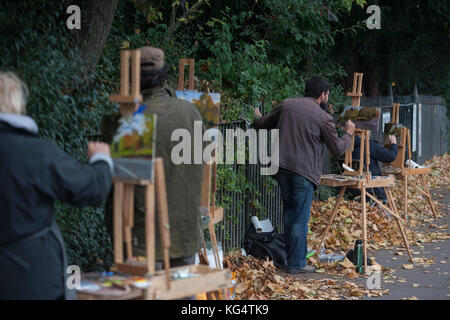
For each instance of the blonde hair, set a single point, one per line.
(13, 94)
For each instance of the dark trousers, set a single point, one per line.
(297, 193)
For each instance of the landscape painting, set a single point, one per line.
(207, 103)
(132, 144)
(365, 118)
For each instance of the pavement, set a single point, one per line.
(422, 281)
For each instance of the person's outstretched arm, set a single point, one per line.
(382, 154)
(336, 145)
(76, 183)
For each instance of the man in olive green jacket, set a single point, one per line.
(183, 181)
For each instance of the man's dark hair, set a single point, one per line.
(153, 78)
(315, 86)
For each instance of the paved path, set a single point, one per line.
(424, 282)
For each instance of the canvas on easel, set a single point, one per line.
(365, 118)
(207, 103)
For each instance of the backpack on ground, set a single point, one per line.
(265, 245)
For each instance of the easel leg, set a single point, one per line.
(150, 226)
(212, 234)
(118, 223)
(427, 191)
(406, 195)
(364, 216)
(163, 215)
(397, 220)
(202, 254)
(128, 211)
(327, 229)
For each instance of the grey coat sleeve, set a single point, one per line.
(76, 183)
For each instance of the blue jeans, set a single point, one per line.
(297, 194)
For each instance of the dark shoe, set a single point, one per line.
(279, 266)
(306, 269)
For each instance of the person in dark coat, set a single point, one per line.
(33, 173)
(377, 153)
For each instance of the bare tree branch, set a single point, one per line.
(175, 23)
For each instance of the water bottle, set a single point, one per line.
(331, 257)
(310, 252)
(358, 256)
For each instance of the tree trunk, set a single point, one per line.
(96, 20)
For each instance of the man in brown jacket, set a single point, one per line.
(304, 129)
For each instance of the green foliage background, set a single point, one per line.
(255, 53)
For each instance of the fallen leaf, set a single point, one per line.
(321, 270)
(408, 266)
(347, 263)
(356, 293)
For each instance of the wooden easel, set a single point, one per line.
(406, 172)
(191, 64)
(364, 146)
(209, 186)
(361, 181)
(124, 189)
(355, 95)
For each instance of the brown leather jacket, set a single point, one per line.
(304, 129)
